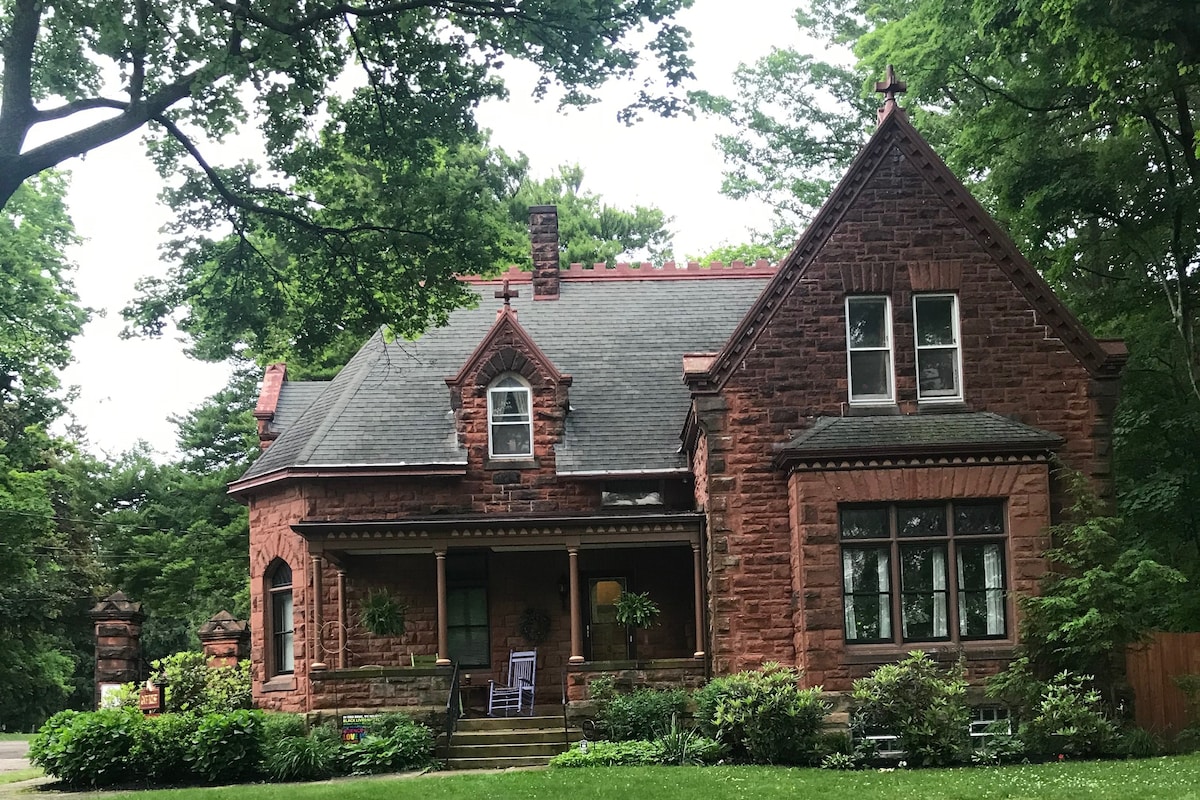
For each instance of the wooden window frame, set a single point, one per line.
(889, 396)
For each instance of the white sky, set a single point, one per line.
(128, 389)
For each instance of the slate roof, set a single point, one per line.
(971, 432)
(622, 341)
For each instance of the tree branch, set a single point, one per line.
(75, 106)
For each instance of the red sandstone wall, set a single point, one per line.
(797, 371)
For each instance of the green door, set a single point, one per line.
(607, 639)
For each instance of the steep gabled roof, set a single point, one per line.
(896, 132)
(619, 334)
(507, 329)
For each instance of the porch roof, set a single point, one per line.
(978, 433)
(496, 530)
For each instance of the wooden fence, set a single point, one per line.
(1159, 706)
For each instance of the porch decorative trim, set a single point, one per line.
(673, 527)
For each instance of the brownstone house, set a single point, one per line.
(827, 463)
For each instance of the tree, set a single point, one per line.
(276, 291)
(170, 535)
(590, 230)
(46, 569)
(202, 69)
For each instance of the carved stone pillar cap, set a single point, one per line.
(117, 607)
(223, 626)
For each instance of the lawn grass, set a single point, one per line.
(1177, 777)
(20, 775)
(15, 737)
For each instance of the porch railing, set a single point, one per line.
(453, 706)
(566, 728)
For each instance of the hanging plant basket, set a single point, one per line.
(534, 625)
(383, 614)
(636, 609)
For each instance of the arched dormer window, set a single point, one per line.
(510, 419)
(280, 619)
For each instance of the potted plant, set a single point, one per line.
(636, 609)
(534, 625)
(383, 614)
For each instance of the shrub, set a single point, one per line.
(1068, 720)
(191, 685)
(1139, 743)
(763, 716)
(91, 749)
(921, 704)
(165, 748)
(611, 754)
(278, 725)
(304, 758)
(393, 743)
(227, 747)
(687, 747)
(641, 715)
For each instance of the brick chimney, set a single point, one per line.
(543, 233)
(268, 400)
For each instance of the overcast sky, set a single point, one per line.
(128, 389)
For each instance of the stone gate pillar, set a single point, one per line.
(118, 626)
(224, 639)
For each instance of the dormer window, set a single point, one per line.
(938, 351)
(869, 349)
(510, 421)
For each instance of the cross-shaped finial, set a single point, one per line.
(890, 87)
(507, 294)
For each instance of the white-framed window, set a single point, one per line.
(510, 418)
(281, 621)
(927, 571)
(869, 349)
(939, 354)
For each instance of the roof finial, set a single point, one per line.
(507, 294)
(890, 88)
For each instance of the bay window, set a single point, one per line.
(914, 572)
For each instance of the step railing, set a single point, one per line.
(453, 706)
(566, 727)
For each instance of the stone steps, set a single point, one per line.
(506, 742)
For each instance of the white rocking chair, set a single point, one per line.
(517, 695)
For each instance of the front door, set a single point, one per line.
(607, 639)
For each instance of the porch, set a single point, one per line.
(475, 592)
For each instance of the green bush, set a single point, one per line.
(227, 748)
(92, 749)
(278, 725)
(165, 748)
(392, 743)
(641, 715)
(1068, 720)
(191, 685)
(305, 758)
(688, 747)
(922, 704)
(611, 754)
(763, 716)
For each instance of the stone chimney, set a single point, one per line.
(543, 232)
(268, 401)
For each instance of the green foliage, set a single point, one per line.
(763, 716)
(277, 725)
(636, 609)
(686, 747)
(1068, 719)
(393, 743)
(92, 750)
(382, 614)
(1139, 743)
(163, 753)
(228, 747)
(922, 704)
(1103, 594)
(643, 714)
(746, 252)
(304, 758)
(611, 754)
(191, 685)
